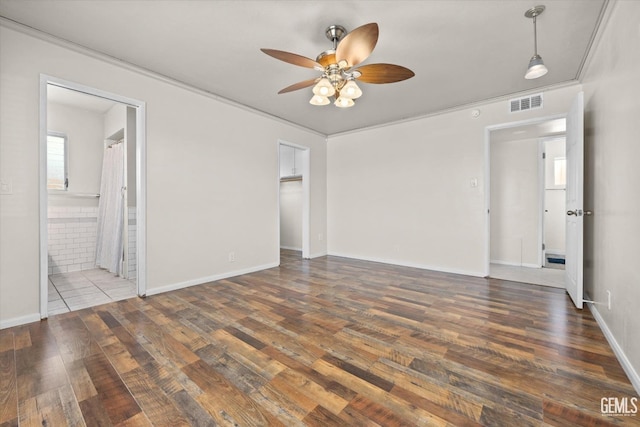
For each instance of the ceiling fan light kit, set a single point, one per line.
(536, 66)
(337, 66)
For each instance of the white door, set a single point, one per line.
(575, 193)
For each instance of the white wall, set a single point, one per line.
(84, 130)
(212, 173)
(515, 204)
(115, 120)
(612, 150)
(291, 215)
(403, 194)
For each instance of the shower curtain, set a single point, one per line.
(109, 243)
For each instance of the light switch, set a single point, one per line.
(474, 182)
(6, 187)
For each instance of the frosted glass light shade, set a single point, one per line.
(324, 88)
(319, 100)
(536, 68)
(343, 102)
(350, 90)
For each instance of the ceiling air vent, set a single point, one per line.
(526, 103)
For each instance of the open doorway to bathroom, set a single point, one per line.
(91, 200)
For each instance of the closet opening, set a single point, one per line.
(293, 200)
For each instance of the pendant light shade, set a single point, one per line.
(351, 90)
(319, 100)
(536, 65)
(343, 102)
(324, 88)
(536, 68)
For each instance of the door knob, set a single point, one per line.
(572, 213)
(588, 213)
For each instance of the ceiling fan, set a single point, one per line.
(339, 76)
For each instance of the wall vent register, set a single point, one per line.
(532, 102)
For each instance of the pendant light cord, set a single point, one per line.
(535, 35)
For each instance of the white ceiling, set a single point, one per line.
(461, 51)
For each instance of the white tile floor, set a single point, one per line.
(538, 276)
(82, 289)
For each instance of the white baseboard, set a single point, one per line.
(202, 280)
(514, 264)
(17, 321)
(500, 262)
(531, 266)
(291, 248)
(410, 264)
(317, 255)
(554, 251)
(622, 358)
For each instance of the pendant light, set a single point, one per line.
(351, 90)
(536, 65)
(344, 102)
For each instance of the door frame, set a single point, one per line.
(306, 196)
(141, 184)
(487, 179)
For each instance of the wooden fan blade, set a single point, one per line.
(299, 85)
(384, 73)
(293, 58)
(356, 46)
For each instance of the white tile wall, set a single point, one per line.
(72, 238)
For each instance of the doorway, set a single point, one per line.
(87, 137)
(293, 199)
(526, 214)
(554, 209)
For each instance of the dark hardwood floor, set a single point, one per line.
(324, 342)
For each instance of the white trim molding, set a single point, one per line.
(17, 321)
(208, 279)
(291, 248)
(409, 264)
(622, 358)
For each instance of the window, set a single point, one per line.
(57, 162)
(560, 171)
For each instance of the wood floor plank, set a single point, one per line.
(152, 400)
(73, 338)
(7, 340)
(94, 411)
(113, 394)
(328, 342)
(8, 386)
(313, 391)
(248, 355)
(80, 380)
(283, 404)
(222, 399)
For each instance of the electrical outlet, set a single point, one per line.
(232, 257)
(609, 300)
